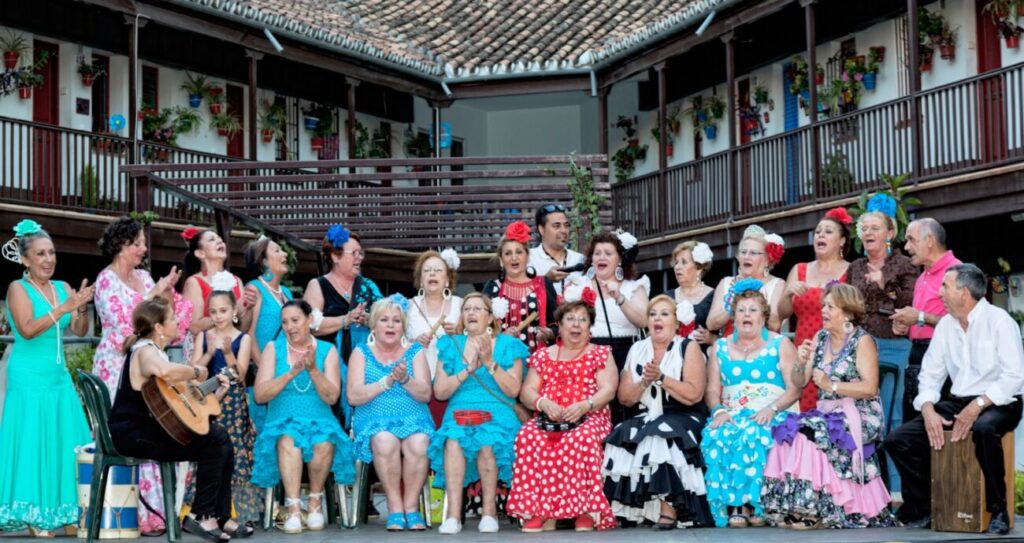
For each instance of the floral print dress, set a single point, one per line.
(115, 302)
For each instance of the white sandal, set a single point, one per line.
(293, 525)
(315, 520)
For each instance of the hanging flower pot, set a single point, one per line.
(926, 65)
(870, 80)
(87, 79)
(1012, 42)
(25, 92)
(669, 150)
(11, 59)
(310, 122)
(702, 116)
(215, 108)
(819, 78)
(316, 143)
(766, 117)
(710, 131)
(223, 132)
(633, 142)
(947, 51)
(195, 100)
(268, 135)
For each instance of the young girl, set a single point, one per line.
(224, 346)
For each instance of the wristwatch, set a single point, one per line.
(920, 318)
(981, 402)
(660, 380)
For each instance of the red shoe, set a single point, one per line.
(584, 523)
(534, 525)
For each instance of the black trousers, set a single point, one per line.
(917, 350)
(620, 348)
(909, 449)
(212, 453)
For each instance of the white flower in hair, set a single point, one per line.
(223, 280)
(451, 258)
(499, 308)
(702, 254)
(573, 293)
(627, 240)
(775, 238)
(685, 313)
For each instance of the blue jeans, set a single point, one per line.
(893, 353)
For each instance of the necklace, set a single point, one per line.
(277, 292)
(52, 306)
(298, 350)
(828, 343)
(302, 352)
(747, 348)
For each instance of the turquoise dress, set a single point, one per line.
(500, 432)
(299, 413)
(735, 453)
(42, 424)
(268, 325)
(394, 411)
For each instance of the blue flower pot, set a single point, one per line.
(710, 132)
(195, 100)
(311, 122)
(701, 116)
(806, 95)
(869, 81)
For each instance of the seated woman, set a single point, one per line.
(136, 433)
(652, 461)
(557, 469)
(464, 451)
(749, 385)
(389, 386)
(299, 380)
(824, 469)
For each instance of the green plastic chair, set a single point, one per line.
(97, 405)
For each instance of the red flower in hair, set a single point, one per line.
(518, 231)
(774, 252)
(190, 233)
(841, 215)
(589, 297)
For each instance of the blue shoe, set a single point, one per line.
(415, 521)
(396, 522)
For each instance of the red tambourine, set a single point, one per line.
(471, 417)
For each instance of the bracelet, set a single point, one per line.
(718, 406)
(407, 379)
(536, 405)
(717, 411)
(382, 383)
(590, 401)
(621, 300)
(774, 408)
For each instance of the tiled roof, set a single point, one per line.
(446, 39)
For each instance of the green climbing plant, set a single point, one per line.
(587, 202)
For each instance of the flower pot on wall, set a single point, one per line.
(195, 100)
(25, 92)
(819, 78)
(223, 132)
(633, 142)
(669, 150)
(316, 143)
(268, 135)
(87, 79)
(870, 81)
(215, 108)
(310, 122)
(947, 52)
(11, 59)
(926, 65)
(710, 132)
(1012, 42)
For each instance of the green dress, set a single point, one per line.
(42, 424)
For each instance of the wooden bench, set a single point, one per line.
(958, 487)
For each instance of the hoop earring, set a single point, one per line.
(447, 293)
(234, 318)
(591, 272)
(371, 340)
(490, 331)
(848, 326)
(620, 274)
(405, 342)
(421, 292)
(531, 272)
(267, 274)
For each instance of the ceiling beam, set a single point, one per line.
(513, 87)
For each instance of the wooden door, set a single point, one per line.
(236, 107)
(992, 129)
(791, 122)
(46, 141)
(743, 156)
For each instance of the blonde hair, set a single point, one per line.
(849, 300)
(690, 246)
(495, 324)
(661, 298)
(887, 220)
(380, 307)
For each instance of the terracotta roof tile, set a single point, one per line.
(467, 38)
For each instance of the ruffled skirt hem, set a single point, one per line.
(306, 434)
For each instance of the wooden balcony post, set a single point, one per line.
(812, 66)
(254, 130)
(142, 202)
(350, 124)
(134, 24)
(435, 122)
(730, 111)
(914, 59)
(662, 140)
(602, 120)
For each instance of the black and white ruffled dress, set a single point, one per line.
(655, 455)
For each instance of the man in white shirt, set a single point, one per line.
(553, 255)
(978, 346)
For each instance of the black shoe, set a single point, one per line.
(923, 522)
(999, 525)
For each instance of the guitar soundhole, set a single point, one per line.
(197, 394)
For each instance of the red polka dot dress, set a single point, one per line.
(558, 474)
(807, 308)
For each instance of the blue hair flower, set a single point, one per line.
(884, 203)
(743, 285)
(27, 227)
(338, 235)
(399, 300)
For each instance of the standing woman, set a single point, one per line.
(756, 254)
(119, 288)
(436, 310)
(807, 281)
(267, 264)
(526, 293)
(205, 270)
(691, 261)
(621, 305)
(342, 298)
(43, 419)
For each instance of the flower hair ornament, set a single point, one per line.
(739, 287)
(451, 259)
(223, 281)
(518, 231)
(840, 215)
(25, 227)
(702, 253)
(884, 203)
(401, 301)
(629, 245)
(338, 235)
(576, 293)
(774, 247)
(499, 308)
(190, 233)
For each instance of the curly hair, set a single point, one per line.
(569, 307)
(628, 269)
(417, 269)
(690, 246)
(119, 233)
(495, 324)
(844, 232)
(752, 295)
(327, 249)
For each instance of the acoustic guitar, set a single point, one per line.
(184, 409)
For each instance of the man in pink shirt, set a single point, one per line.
(926, 245)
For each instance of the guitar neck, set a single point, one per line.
(209, 386)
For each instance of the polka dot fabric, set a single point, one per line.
(558, 474)
(807, 308)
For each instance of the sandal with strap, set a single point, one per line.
(807, 524)
(396, 522)
(756, 521)
(415, 522)
(738, 520)
(192, 526)
(665, 526)
(242, 531)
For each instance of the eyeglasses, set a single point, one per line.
(433, 270)
(473, 309)
(747, 252)
(577, 320)
(360, 253)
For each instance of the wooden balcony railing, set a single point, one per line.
(410, 204)
(971, 124)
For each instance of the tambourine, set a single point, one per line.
(471, 417)
(548, 425)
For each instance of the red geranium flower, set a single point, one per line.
(775, 252)
(190, 233)
(841, 215)
(518, 231)
(589, 297)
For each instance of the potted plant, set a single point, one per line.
(926, 53)
(946, 40)
(417, 145)
(875, 57)
(227, 125)
(13, 45)
(998, 9)
(90, 72)
(197, 87)
(185, 120)
(29, 77)
(714, 107)
(627, 125)
(362, 137)
(1011, 32)
(625, 159)
(157, 126)
(798, 74)
(760, 94)
(217, 101)
(272, 121)
(819, 75)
